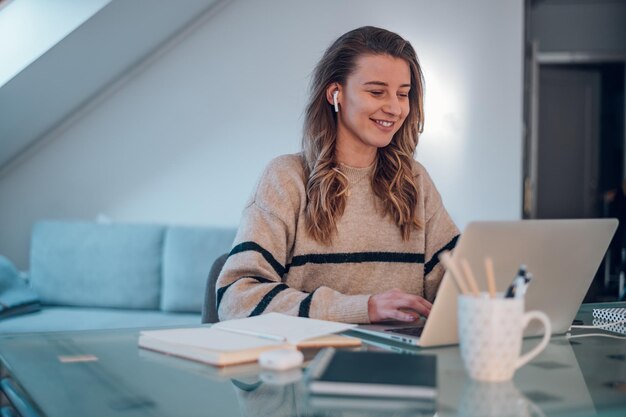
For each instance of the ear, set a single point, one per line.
(330, 90)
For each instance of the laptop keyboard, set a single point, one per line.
(411, 331)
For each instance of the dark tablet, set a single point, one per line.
(380, 374)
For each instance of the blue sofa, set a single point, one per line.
(109, 275)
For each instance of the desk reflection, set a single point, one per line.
(552, 384)
(258, 398)
(285, 395)
(495, 399)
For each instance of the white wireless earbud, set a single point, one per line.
(335, 101)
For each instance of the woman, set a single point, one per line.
(349, 229)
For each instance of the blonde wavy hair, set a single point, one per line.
(392, 182)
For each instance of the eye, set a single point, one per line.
(376, 93)
(404, 95)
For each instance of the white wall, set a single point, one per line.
(28, 28)
(184, 139)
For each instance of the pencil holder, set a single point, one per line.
(490, 334)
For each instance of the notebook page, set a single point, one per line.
(209, 338)
(276, 325)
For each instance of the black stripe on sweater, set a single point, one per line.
(221, 291)
(356, 257)
(253, 246)
(267, 299)
(305, 306)
(430, 265)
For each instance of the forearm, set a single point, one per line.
(248, 296)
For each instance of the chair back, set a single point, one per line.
(209, 309)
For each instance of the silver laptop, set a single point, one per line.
(562, 255)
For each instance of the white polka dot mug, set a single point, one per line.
(490, 334)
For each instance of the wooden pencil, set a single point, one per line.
(470, 276)
(449, 264)
(491, 278)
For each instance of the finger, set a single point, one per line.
(421, 308)
(416, 312)
(422, 301)
(415, 315)
(412, 302)
(422, 311)
(425, 303)
(401, 316)
(410, 298)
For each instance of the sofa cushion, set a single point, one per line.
(187, 258)
(52, 319)
(16, 296)
(97, 265)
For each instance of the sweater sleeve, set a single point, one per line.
(440, 234)
(252, 279)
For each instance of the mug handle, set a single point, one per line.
(547, 327)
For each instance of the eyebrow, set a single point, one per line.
(384, 84)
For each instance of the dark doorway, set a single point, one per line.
(568, 142)
(580, 151)
(574, 108)
(580, 138)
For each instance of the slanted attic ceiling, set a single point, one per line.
(78, 67)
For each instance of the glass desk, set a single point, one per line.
(103, 373)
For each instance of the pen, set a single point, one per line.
(527, 280)
(527, 277)
(520, 287)
(510, 292)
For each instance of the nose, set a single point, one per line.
(392, 106)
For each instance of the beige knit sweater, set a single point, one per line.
(276, 266)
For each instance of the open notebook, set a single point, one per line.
(243, 340)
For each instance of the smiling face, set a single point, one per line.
(373, 104)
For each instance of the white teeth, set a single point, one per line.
(383, 123)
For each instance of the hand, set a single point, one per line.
(397, 305)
